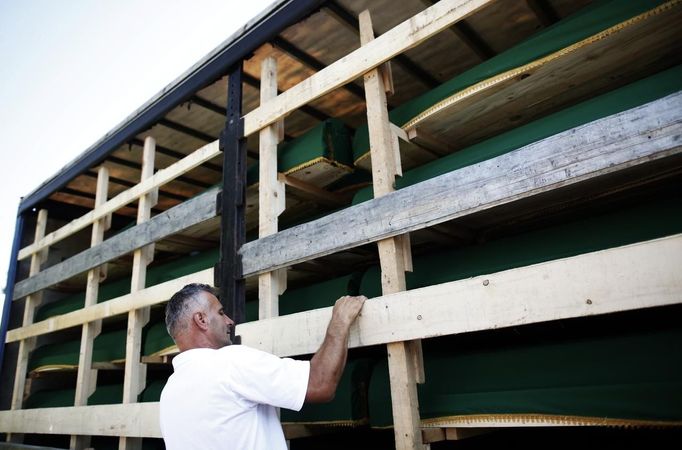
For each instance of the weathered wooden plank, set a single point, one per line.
(148, 297)
(636, 276)
(627, 139)
(135, 372)
(86, 379)
(271, 194)
(163, 176)
(176, 219)
(32, 303)
(395, 41)
(386, 165)
(131, 420)
(625, 278)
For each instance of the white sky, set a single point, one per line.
(71, 70)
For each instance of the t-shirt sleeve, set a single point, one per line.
(265, 378)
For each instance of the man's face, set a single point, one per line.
(219, 324)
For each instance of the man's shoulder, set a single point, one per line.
(240, 350)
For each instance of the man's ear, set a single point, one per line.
(200, 321)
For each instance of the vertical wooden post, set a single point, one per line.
(33, 301)
(135, 370)
(404, 359)
(86, 381)
(271, 196)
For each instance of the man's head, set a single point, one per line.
(196, 319)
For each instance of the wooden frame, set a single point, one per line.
(271, 194)
(135, 371)
(631, 138)
(405, 361)
(27, 345)
(588, 154)
(86, 379)
(610, 280)
(194, 211)
(636, 276)
(150, 184)
(395, 41)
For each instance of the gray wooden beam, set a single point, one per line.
(176, 219)
(633, 137)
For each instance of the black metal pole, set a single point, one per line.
(9, 287)
(231, 202)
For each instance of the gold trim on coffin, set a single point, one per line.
(487, 420)
(485, 84)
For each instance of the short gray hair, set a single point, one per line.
(179, 305)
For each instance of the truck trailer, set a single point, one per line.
(502, 180)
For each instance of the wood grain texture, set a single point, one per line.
(631, 277)
(86, 378)
(149, 185)
(194, 211)
(395, 41)
(634, 137)
(121, 305)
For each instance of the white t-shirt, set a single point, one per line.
(226, 398)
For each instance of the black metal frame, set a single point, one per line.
(9, 289)
(285, 14)
(231, 203)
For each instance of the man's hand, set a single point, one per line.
(346, 310)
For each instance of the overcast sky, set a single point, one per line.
(71, 70)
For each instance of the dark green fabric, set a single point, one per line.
(587, 22)
(349, 404)
(601, 231)
(155, 275)
(155, 338)
(152, 393)
(319, 295)
(329, 139)
(104, 395)
(634, 374)
(107, 347)
(627, 97)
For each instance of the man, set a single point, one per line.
(222, 396)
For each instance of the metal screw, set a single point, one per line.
(589, 302)
(419, 317)
(486, 282)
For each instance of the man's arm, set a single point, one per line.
(327, 365)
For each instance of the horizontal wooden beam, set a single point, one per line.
(174, 220)
(394, 42)
(631, 138)
(131, 420)
(626, 278)
(122, 305)
(160, 178)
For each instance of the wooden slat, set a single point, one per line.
(633, 137)
(271, 191)
(148, 297)
(637, 136)
(631, 277)
(400, 38)
(162, 177)
(27, 345)
(86, 379)
(133, 420)
(176, 219)
(626, 278)
(135, 372)
(386, 165)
